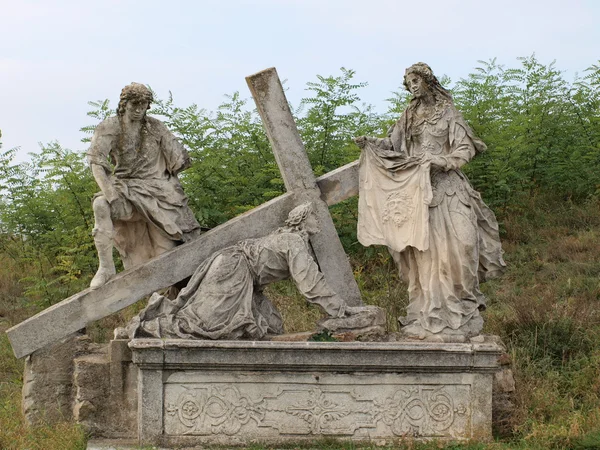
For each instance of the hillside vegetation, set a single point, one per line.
(540, 174)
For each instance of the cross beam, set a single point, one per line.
(75, 312)
(300, 179)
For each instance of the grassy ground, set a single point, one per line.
(14, 435)
(546, 309)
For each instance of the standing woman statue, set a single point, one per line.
(414, 199)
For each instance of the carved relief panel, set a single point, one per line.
(262, 409)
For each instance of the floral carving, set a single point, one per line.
(404, 410)
(418, 411)
(317, 411)
(215, 411)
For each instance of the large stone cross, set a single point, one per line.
(74, 313)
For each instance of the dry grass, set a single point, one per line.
(547, 310)
(14, 433)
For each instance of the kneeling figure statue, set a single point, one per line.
(224, 298)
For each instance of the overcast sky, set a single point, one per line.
(55, 56)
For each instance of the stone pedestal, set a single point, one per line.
(105, 381)
(48, 381)
(236, 392)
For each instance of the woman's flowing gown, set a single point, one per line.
(463, 245)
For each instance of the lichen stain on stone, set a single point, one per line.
(328, 187)
(259, 82)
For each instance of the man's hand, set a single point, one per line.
(104, 182)
(119, 207)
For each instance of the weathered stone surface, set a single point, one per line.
(92, 382)
(113, 444)
(224, 299)
(48, 381)
(504, 380)
(119, 356)
(371, 334)
(299, 178)
(503, 405)
(124, 385)
(339, 184)
(141, 208)
(105, 383)
(415, 200)
(234, 393)
(74, 380)
(369, 316)
(302, 336)
(167, 269)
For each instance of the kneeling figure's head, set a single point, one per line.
(303, 218)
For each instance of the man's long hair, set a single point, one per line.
(136, 92)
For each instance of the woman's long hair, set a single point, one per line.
(433, 84)
(440, 95)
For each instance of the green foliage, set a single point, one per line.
(234, 168)
(541, 132)
(323, 336)
(590, 441)
(333, 117)
(101, 110)
(46, 220)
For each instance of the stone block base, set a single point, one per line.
(236, 393)
(48, 381)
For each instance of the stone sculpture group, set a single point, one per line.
(188, 369)
(413, 198)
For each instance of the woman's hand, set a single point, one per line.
(439, 161)
(361, 141)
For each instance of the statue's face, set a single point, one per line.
(312, 225)
(416, 84)
(135, 110)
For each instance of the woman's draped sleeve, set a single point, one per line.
(464, 145)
